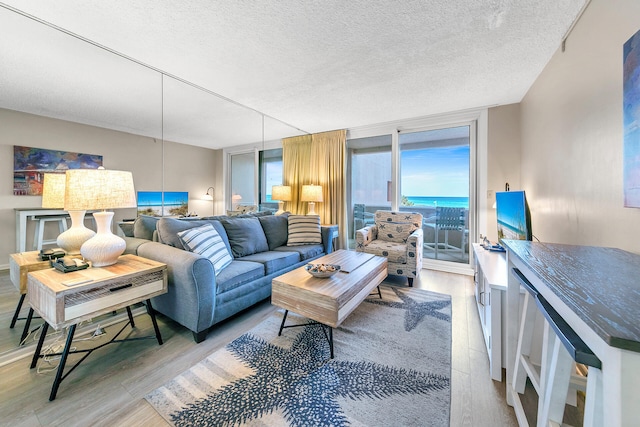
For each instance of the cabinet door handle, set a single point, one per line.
(481, 295)
(119, 288)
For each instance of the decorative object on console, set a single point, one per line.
(100, 189)
(281, 193)
(311, 194)
(53, 192)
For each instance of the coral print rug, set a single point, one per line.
(392, 366)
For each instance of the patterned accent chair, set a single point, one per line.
(398, 236)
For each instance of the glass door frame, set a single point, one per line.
(477, 120)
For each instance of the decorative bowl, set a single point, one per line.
(322, 270)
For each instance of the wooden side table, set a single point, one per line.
(64, 300)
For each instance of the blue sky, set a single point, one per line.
(436, 172)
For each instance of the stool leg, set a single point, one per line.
(62, 225)
(525, 336)
(37, 235)
(557, 386)
(593, 410)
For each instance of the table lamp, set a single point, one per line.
(281, 193)
(53, 191)
(100, 189)
(311, 194)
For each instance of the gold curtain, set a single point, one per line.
(296, 157)
(328, 168)
(318, 159)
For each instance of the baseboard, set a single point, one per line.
(448, 267)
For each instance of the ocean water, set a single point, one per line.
(449, 202)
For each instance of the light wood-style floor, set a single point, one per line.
(108, 388)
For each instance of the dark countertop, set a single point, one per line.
(601, 285)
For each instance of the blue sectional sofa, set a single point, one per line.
(196, 297)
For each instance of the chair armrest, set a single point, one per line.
(414, 248)
(364, 236)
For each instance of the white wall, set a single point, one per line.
(186, 168)
(572, 136)
(503, 159)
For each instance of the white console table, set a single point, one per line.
(597, 293)
(491, 288)
(22, 214)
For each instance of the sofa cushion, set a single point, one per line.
(168, 229)
(306, 251)
(237, 274)
(206, 241)
(276, 229)
(397, 232)
(304, 230)
(246, 236)
(144, 226)
(274, 260)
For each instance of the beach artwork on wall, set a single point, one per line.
(30, 165)
(631, 113)
(169, 203)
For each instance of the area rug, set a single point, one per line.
(392, 366)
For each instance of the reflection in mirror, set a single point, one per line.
(196, 117)
(243, 188)
(80, 78)
(83, 83)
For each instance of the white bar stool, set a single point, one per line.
(561, 349)
(41, 221)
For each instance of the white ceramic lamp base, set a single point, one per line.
(105, 247)
(71, 240)
(312, 208)
(280, 210)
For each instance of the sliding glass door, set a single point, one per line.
(427, 171)
(435, 181)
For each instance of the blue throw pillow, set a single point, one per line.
(206, 241)
(246, 236)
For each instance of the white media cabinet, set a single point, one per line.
(491, 287)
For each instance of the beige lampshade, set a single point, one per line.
(99, 189)
(311, 193)
(281, 192)
(53, 190)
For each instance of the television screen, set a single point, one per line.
(514, 219)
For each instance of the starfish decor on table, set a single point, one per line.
(302, 382)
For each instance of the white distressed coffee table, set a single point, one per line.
(330, 300)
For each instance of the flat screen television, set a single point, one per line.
(514, 218)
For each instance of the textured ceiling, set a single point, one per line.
(313, 65)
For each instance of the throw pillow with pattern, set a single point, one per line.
(206, 241)
(304, 230)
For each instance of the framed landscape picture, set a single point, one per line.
(631, 114)
(30, 165)
(169, 203)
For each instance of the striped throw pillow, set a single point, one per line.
(206, 241)
(304, 230)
